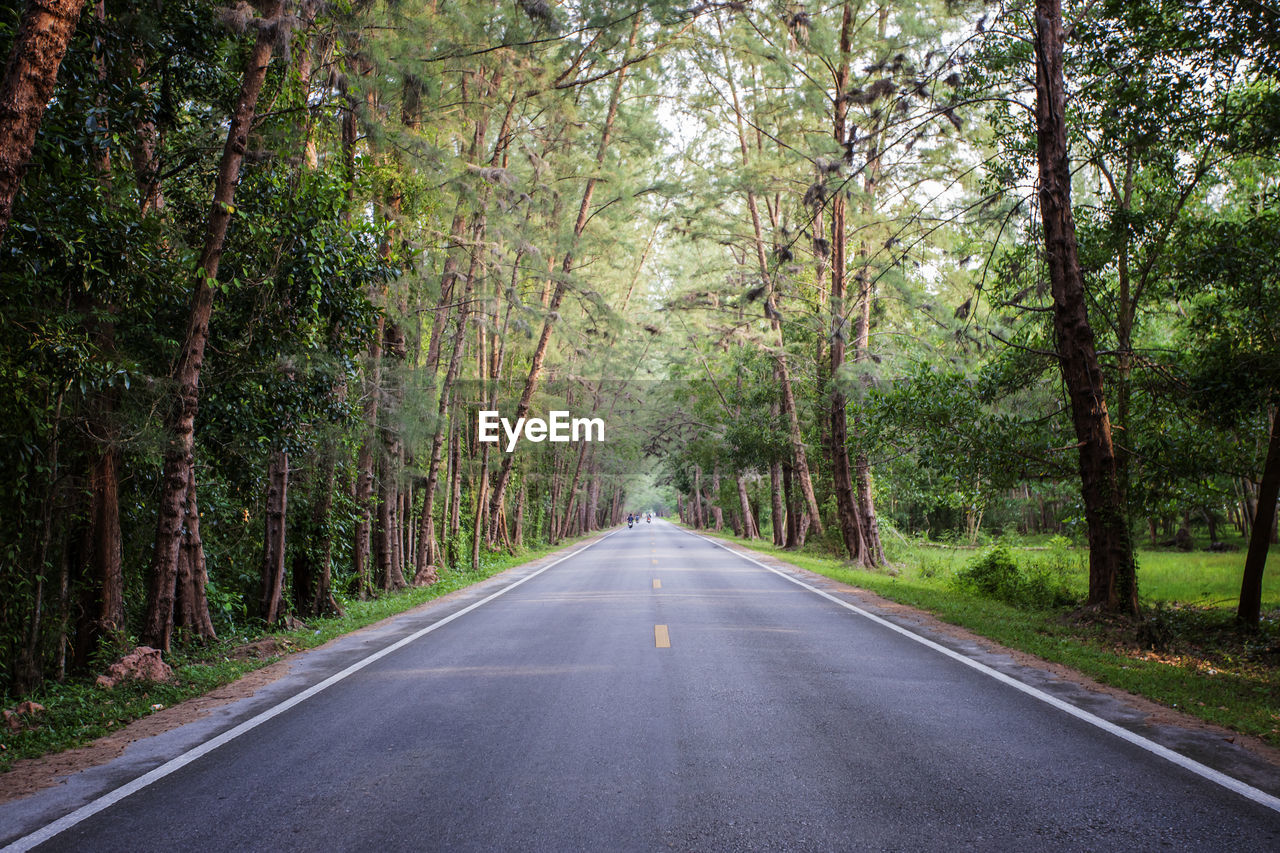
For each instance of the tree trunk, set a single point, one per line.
(792, 540)
(365, 461)
(698, 510)
(1113, 581)
(427, 557)
(874, 550)
(145, 153)
(180, 424)
(566, 268)
(782, 369)
(191, 606)
(385, 538)
(518, 535)
(1250, 609)
(455, 486)
(477, 534)
(749, 528)
(272, 603)
(716, 512)
(841, 469)
(312, 564)
(103, 598)
(30, 76)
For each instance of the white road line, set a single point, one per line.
(1230, 783)
(109, 799)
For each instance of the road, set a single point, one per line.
(654, 691)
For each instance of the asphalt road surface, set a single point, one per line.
(654, 691)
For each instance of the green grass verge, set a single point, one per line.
(78, 712)
(1191, 659)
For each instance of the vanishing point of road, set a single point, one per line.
(656, 691)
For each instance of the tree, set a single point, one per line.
(1113, 581)
(180, 426)
(1229, 269)
(29, 78)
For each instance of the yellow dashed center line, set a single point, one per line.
(661, 639)
(657, 584)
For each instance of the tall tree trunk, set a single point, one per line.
(387, 530)
(145, 153)
(782, 368)
(477, 532)
(841, 468)
(105, 546)
(571, 503)
(793, 527)
(865, 499)
(273, 538)
(716, 512)
(191, 605)
(749, 528)
(1113, 583)
(385, 539)
(30, 76)
(365, 461)
(455, 488)
(521, 500)
(312, 564)
(104, 571)
(566, 268)
(1250, 609)
(427, 558)
(180, 424)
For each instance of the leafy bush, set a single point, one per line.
(997, 574)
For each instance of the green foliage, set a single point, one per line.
(1031, 585)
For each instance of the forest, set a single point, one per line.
(830, 274)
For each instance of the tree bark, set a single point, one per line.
(312, 564)
(192, 606)
(716, 512)
(1250, 610)
(782, 368)
(427, 557)
(517, 538)
(851, 529)
(365, 461)
(273, 539)
(792, 540)
(30, 76)
(477, 533)
(749, 528)
(1112, 577)
(180, 424)
(105, 545)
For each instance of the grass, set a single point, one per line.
(78, 712)
(1186, 653)
(1203, 578)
